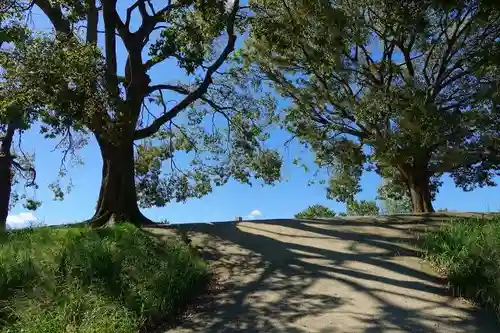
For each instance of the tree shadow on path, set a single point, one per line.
(323, 276)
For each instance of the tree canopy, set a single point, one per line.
(206, 112)
(15, 116)
(314, 212)
(404, 88)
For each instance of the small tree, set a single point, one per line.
(362, 208)
(314, 212)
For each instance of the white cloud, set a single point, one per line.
(254, 214)
(21, 219)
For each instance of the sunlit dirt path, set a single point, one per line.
(342, 275)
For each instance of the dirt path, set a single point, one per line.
(325, 276)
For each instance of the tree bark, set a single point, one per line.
(5, 189)
(419, 185)
(6, 174)
(117, 200)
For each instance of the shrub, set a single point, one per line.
(395, 207)
(362, 208)
(468, 252)
(314, 212)
(80, 280)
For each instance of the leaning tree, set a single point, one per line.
(141, 114)
(404, 88)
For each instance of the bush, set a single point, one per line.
(315, 212)
(468, 252)
(80, 280)
(362, 208)
(395, 207)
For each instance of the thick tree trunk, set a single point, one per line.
(117, 197)
(418, 183)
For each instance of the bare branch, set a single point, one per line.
(68, 137)
(129, 13)
(31, 170)
(18, 166)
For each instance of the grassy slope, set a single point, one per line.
(78, 280)
(468, 253)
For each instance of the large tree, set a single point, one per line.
(399, 87)
(204, 111)
(20, 109)
(15, 117)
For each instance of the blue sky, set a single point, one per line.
(225, 203)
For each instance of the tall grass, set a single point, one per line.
(80, 280)
(468, 252)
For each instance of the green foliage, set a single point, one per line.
(394, 196)
(190, 33)
(210, 116)
(395, 207)
(30, 91)
(468, 252)
(385, 86)
(16, 115)
(314, 212)
(223, 143)
(111, 280)
(362, 208)
(54, 74)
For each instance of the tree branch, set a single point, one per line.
(149, 22)
(449, 53)
(92, 22)
(202, 88)
(55, 15)
(406, 50)
(110, 23)
(178, 89)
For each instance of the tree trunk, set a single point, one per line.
(6, 174)
(5, 188)
(117, 200)
(418, 182)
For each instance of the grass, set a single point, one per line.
(80, 280)
(468, 253)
